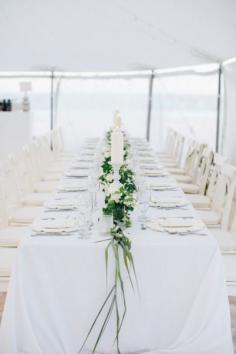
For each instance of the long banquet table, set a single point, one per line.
(59, 283)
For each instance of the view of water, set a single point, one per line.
(87, 115)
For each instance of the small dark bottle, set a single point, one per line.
(1, 106)
(9, 105)
(4, 105)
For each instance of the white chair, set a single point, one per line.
(185, 174)
(10, 236)
(170, 142)
(58, 146)
(188, 159)
(199, 170)
(221, 204)
(204, 198)
(39, 161)
(7, 259)
(227, 243)
(35, 171)
(175, 159)
(30, 197)
(17, 214)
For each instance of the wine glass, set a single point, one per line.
(144, 200)
(85, 215)
(93, 187)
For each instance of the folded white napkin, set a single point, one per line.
(88, 152)
(147, 161)
(171, 203)
(145, 154)
(176, 225)
(81, 166)
(89, 147)
(150, 166)
(78, 173)
(144, 149)
(57, 225)
(162, 186)
(62, 204)
(155, 173)
(85, 159)
(72, 187)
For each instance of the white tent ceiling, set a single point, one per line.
(115, 35)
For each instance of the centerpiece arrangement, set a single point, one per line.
(118, 185)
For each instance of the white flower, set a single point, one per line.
(106, 190)
(109, 177)
(116, 196)
(114, 193)
(107, 154)
(112, 188)
(105, 148)
(130, 200)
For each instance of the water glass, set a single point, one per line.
(144, 200)
(85, 216)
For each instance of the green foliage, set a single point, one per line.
(107, 166)
(119, 204)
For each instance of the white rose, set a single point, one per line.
(109, 177)
(116, 197)
(106, 190)
(107, 154)
(112, 188)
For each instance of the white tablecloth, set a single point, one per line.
(59, 284)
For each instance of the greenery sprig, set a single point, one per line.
(119, 203)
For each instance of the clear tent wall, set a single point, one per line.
(149, 102)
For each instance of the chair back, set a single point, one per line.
(214, 171)
(11, 186)
(195, 158)
(189, 155)
(224, 193)
(204, 166)
(3, 206)
(179, 146)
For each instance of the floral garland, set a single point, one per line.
(119, 203)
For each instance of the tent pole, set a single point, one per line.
(52, 106)
(218, 109)
(52, 101)
(149, 114)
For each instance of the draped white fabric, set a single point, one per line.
(107, 35)
(59, 283)
(229, 101)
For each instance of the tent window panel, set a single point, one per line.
(86, 107)
(187, 103)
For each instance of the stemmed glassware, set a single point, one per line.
(144, 200)
(85, 215)
(93, 185)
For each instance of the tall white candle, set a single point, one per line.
(117, 147)
(117, 119)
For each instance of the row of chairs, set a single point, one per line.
(209, 183)
(27, 180)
